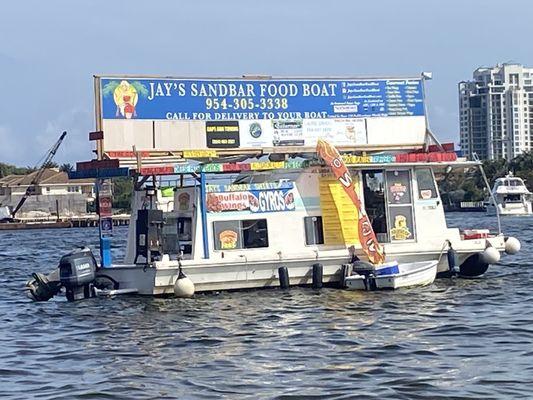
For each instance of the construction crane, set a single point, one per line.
(37, 178)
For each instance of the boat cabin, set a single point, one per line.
(269, 213)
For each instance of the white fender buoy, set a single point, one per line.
(490, 255)
(512, 245)
(183, 287)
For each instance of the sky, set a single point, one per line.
(49, 52)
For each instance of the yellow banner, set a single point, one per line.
(199, 153)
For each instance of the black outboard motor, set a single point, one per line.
(43, 287)
(77, 271)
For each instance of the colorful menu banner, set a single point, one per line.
(253, 200)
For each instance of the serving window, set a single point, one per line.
(177, 235)
(244, 234)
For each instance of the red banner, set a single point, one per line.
(333, 159)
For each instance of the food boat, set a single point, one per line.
(242, 200)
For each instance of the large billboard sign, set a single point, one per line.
(234, 100)
(224, 114)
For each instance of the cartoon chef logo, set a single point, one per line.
(400, 230)
(125, 96)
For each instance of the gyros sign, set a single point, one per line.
(256, 201)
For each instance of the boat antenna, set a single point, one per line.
(480, 165)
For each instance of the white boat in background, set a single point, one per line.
(510, 196)
(394, 276)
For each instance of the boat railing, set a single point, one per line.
(491, 194)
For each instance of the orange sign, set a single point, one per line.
(333, 159)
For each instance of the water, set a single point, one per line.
(454, 339)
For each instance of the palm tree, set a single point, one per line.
(66, 168)
(51, 164)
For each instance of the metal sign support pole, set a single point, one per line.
(203, 210)
(105, 239)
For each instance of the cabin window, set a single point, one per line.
(245, 234)
(177, 231)
(399, 187)
(314, 232)
(401, 226)
(426, 184)
(254, 233)
(185, 229)
(513, 198)
(169, 236)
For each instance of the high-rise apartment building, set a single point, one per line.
(496, 112)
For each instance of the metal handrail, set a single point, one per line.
(476, 158)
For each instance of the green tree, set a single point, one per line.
(495, 169)
(122, 191)
(66, 168)
(8, 169)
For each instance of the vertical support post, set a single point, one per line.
(98, 117)
(318, 273)
(103, 190)
(203, 210)
(57, 209)
(425, 77)
(105, 251)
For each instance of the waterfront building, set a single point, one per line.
(55, 192)
(496, 112)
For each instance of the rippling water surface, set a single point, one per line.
(454, 339)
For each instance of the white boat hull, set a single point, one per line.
(411, 274)
(246, 274)
(511, 209)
